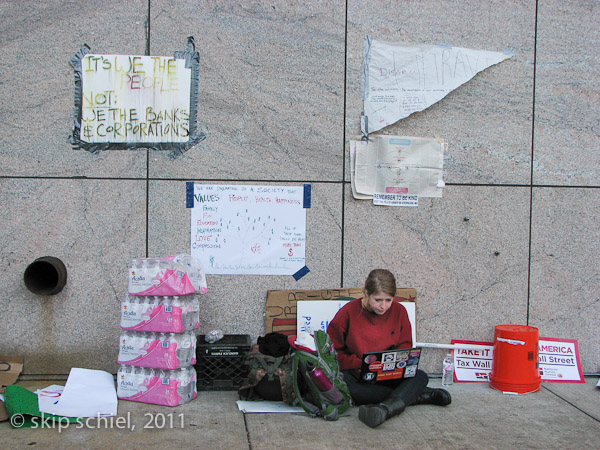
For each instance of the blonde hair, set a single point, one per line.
(379, 280)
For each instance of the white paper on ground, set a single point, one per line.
(49, 396)
(87, 393)
(267, 407)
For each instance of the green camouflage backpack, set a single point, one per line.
(269, 378)
(315, 400)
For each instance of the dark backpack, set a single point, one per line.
(269, 375)
(317, 403)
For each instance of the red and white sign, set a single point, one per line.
(558, 361)
(472, 365)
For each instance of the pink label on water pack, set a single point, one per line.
(155, 390)
(169, 282)
(396, 190)
(156, 354)
(165, 319)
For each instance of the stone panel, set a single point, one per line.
(565, 268)
(567, 94)
(95, 228)
(236, 303)
(487, 121)
(465, 254)
(271, 88)
(37, 90)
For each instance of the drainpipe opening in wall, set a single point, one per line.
(45, 276)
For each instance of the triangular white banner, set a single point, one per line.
(400, 79)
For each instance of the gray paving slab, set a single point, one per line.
(212, 421)
(558, 416)
(479, 417)
(583, 397)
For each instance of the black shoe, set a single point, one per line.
(431, 396)
(372, 415)
(375, 415)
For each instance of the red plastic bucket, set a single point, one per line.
(515, 363)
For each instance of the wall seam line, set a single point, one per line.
(531, 185)
(147, 150)
(343, 183)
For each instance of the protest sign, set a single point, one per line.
(558, 361)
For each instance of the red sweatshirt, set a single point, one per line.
(354, 331)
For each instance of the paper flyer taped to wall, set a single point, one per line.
(403, 165)
(249, 229)
(400, 79)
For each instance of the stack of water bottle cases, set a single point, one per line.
(157, 347)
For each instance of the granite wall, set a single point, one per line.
(279, 99)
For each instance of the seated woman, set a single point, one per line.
(377, 322)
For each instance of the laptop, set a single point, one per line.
(389, 364)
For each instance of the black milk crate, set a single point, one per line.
(220, 366)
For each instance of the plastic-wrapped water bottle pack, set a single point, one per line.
(160, 314)
(157, 345)
(173, 275)
(157, 350)
(160, 387)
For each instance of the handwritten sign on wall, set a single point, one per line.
(124, 101)
(400, 79)
(242, 229)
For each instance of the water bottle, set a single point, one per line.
(186, 383)
(213, 336)
(447, 371)
(328, 390)
(186, 347)
(168, 303)
(195, 272)
(192, 314)
(318, 377)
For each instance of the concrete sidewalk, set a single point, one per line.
(560, 415)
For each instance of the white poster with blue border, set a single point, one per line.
(247, 229)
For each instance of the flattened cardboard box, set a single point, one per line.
(10, 369)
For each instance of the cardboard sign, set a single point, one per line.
(316, 315)
(10, 369)
(281, 307)
(558, 361)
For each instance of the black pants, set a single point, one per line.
(407, 389)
